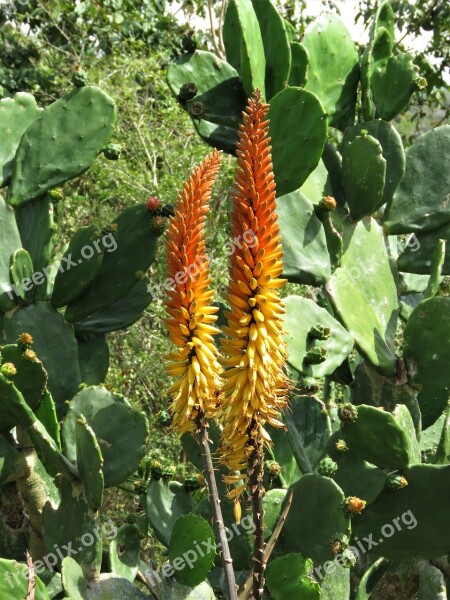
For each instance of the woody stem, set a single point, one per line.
(227, 561)
(255, 478)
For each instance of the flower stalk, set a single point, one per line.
(196, 391)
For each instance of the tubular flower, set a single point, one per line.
(188, 303)
(255, 384)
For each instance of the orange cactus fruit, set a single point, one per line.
(189, 303)
(255, 385)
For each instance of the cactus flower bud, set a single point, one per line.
(396, 482)
(316, 355)
(327, 467)
(355, 505)
(25, 339)
(30, 355)
(158, 225)
(79, 79)
(319, 332)
(8, 370)
(328, 203)
(153, 204)
(348, 413)
(341, 446)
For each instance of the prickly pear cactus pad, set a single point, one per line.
(311, 526)
(187, 532)
(426, 339)
(88, 402)
(166, 501)
(421, 202)
(305, 258)
(276, 46)
(381, 438)
(411, 522)
(16, 114)
(43, 322)
(391, 148)
(214, 84)
(364, 172)
(299, 65)
(10, 243)
(333, 70)
(241, 30)
(296, 152)
(302, 315)
(14, 581)
(283, 586)
(61, 143)
(367, 263)
(418, 254)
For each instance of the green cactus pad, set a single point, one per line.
(241, 31)
(423, 529)
(88, 402)
(296, 152)
(333, 69)
(190, 532)
(420, 204)
(218, 85)
(132, 248)
(378, 50)
(276, 46)
(306, 259)
(355, 476)
(14, 582)
(119, 314)
(391, 147)
(10, 462)
(288, 578)
(70, 523)
(381, 438)
(376, 278)
(432, 402)
(272, 504)
(93, 357)
(426, 349)
(437, 262)
(61, 143)
(361, 321)
(16, 114)
(166, 501)
(10, 243)
(240, 544)
(124, 552)
(309, 429)
(301, 315)
(110, 587)
(217, 136)
(417, 257)
(46, 413)
(73, 579)
(13, 408)
(43, 323)
(172, 590)
(21, 272)
(316, 517)
(299, 65)
(35, 224)
(434, 437)
(89, 463)
(334, 582)
(30, 378)
(393, 84)
(364, 171)
(370, 578)
(78, 266)
(121, 433)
